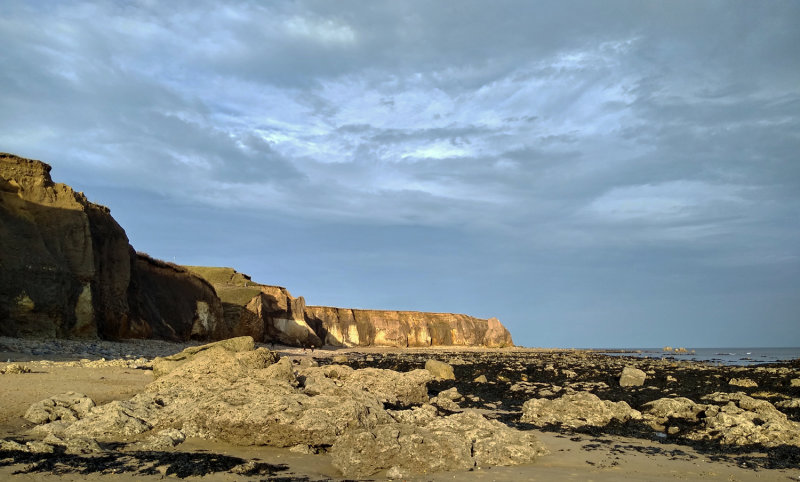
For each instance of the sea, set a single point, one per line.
(720, 356)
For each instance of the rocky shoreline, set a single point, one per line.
(743, 416)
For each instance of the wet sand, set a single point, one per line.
(593, 455)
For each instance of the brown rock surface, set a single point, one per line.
(66, 269)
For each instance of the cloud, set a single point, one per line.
(567, 128)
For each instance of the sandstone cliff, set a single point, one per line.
(67, 269)
(354, 327)
(271, 313)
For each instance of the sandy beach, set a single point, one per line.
(600, 455)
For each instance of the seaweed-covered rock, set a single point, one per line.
(659, 413)
(744, 420)
(730, 418)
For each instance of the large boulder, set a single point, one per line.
(440, 369)
(728, 418)
(744, 420)
(70, 406)
(659, 414)
(164, 365)
(576, 410)
(432, 444)
(632, 377)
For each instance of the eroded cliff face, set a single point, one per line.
(271, 313)
(265, 312)
(354, 327)
(67, 269)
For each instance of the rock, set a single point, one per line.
(450, 394)
(679, 407)
(37, 447)
(247, 398)
(729, 418)
(76, 445)
(15, 369)
(164, 365)
(659, 412)
(440, 370)
(480, 379)
(163, 440)
(341, 359)
(671, 379)
(395, 472)
(742, 382)
(308, 362)
(446, 400)
(459, 441)
(632, 377)
(794, 382)
(391, 387)
(387, 386)
(114, 420)
(70, 406)
(576, 410)
(11, 445)
(793, 403)
(743, 421)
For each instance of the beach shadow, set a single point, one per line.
(179, 464)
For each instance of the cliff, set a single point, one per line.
(354, 327)
(271, 313)
(265, 312)
(67, 269)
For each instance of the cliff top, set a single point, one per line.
(231, 286)
(32, 177)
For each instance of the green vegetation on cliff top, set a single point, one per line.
(231, 286)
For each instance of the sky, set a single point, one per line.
(594, 174)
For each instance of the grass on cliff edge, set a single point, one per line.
(231, 286)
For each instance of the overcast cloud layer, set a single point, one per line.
(592, 173)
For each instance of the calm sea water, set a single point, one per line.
(723, 356)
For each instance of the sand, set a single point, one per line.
(573, 456)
